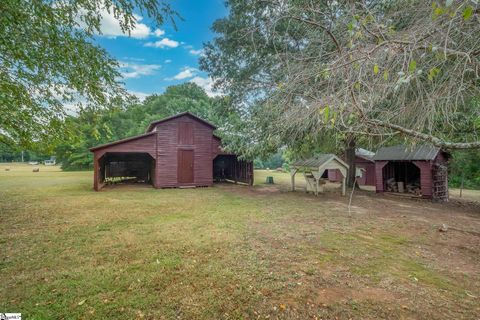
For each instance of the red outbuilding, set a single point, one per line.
(365, 167)
(179, 151)
(420, 170)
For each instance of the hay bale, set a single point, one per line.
(7, 169)
(36, 170)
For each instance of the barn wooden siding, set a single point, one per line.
(140, 144)
(425, 177)
(184, 133)
(182, 149)
(379, 185)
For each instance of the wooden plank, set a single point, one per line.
(185, 133)
(185, 166)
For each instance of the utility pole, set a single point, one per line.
(22, 155)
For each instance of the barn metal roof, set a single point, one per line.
(365, 154)
(317, 161)
(154, 123)
(120, 141)
(403, 152)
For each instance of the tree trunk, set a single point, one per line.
(350, 144)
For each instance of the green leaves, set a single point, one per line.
(438, 10)
(385, 75)
(380, 56)
(433, 73)
(412, 66)
(326, 113)
(48, 61)
(467, 13)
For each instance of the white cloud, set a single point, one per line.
(165, 42)
(196, 52)
(184, 74)
(110, 27)
(168, 61)
(133, 59)
(133, 70)
(206, 84)
(159, 32)
(140, 95)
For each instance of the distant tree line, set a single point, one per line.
(274, 161)
(465, 169)
(9, 154)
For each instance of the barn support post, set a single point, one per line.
(425, 178)
(95, 173)
(251, 173)
(98, 170)
(379, 184)
(293, 172)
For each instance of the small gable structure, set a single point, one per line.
(421, 170)
(178, 151)
(315, 171)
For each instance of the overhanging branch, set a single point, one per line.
(413, 133)
(425, 137)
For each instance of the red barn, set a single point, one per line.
(365, 169)
(420, 170)
(179, 151)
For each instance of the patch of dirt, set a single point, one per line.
(310, 252)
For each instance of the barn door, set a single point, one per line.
(185, 166)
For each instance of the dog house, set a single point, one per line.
(315, 171)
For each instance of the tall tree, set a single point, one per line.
(374, 68)
(48, 58)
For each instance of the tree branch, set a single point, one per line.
(330, 34)
(413, 133)
(425, 137)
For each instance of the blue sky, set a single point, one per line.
(155, 58)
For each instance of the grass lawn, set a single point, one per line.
(230, 252)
